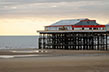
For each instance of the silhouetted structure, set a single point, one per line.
(75, 34)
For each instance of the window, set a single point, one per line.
(46, 28)
(90, 28)
(72, 28)
(82, 28)
(63, 28)
(95, 28)
(103, 28)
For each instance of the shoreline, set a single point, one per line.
(35, 50)
(55, 61)
(15, 53)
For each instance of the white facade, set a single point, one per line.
(70, 28)
(59, 28)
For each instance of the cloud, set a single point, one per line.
(52, 7)
(42, 1)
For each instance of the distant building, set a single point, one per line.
(75, 34)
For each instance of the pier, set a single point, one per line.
(94, 38)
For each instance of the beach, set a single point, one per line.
(58, 61)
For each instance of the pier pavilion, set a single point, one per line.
(75, 34)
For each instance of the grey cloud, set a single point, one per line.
(52, 7)
(44, 1)
(21, 2)
(102, 7)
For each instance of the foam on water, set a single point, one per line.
(6, 56)
(16, 56)
(31, 51)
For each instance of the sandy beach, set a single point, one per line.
(70, 61)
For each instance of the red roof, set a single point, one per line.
(77, 26)
(88, 20)
(89, 26)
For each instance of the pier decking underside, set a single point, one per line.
(74, 40)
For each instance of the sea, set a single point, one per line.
(18, 42)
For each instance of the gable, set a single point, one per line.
(87, 22)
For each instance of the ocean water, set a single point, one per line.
(13, 42)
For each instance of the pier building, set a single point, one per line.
(75, 34)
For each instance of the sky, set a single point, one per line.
(25, 17)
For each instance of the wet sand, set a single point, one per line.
(75, 63)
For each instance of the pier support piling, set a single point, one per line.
(74, 41)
